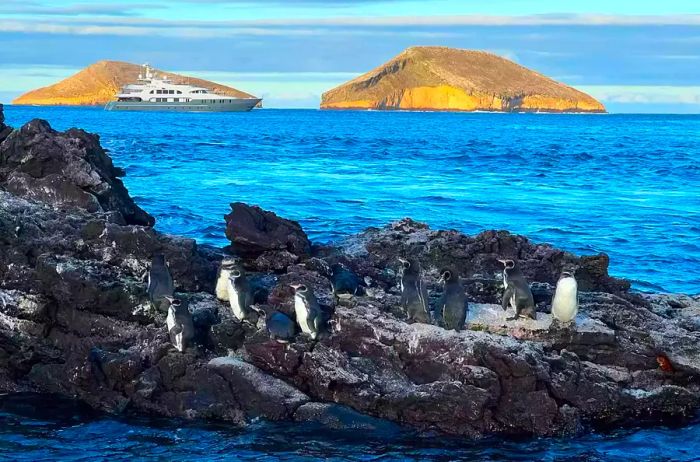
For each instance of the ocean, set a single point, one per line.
(626, 185)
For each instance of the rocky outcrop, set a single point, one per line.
(449, 79)
(74, 321)
(99, 83)
(4, 129)
(254, 231)
(65, 170)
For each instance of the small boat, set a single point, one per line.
(154, 93)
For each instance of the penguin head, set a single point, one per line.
(236, 273)
(158, 260)
(302, 290)
(174, 302)
(408, 266)
(566, 274)
(229, 263)
(445, 276)
(508, 264)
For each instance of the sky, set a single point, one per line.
(635, 56)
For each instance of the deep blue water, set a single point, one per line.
(627, 185)
(57, 430)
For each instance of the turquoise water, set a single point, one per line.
(626, 185)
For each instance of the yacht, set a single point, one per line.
(158, 93)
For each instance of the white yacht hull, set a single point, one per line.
(230, 105)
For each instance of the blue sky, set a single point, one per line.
(636, 56)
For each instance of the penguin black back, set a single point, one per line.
(310, 316)
(517, 291)
(280, 327)
(179, 323)
(414, 293)
(160, 281)
(240, 294)
(453, 302)
(344, 281)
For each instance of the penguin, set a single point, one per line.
(240, 295)
(280, 327)
(344, 282)
(453, 303)
(160, 281)
(565, 302)
(414, 294)
(310, 317)
(227, 265)
(517, 292)
(179, 323)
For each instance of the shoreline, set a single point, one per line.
(75, 322)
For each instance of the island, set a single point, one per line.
(75, 320)
(450, 79)
(99, 83)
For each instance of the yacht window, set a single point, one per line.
(179, 92)
(172, 92)
(151, 92)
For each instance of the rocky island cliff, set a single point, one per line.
(74, 318)
(98, 84)
(449, 79)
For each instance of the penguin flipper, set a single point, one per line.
(177, 328)
(507, 295)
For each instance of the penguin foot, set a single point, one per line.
(512, 318)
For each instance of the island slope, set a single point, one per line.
(449, 79)
(99, 83)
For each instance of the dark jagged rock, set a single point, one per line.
(68, 169)
(253, 231)
(477, 257)
(4, 129)
(74, 320)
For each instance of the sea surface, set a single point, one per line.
(626, 185)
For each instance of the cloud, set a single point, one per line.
(36, 9)
(125, 25)
(644, 94)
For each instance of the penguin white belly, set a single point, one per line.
(565, 303)
(302, 315)
(234, 301)
(222, 285)
(179, 344)
(170, 320)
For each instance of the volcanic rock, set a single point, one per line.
(65, 169)
(253, 231)
(74, 321)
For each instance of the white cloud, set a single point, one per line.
(308, 26)
(644, 94)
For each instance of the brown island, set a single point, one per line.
(449, 79)
(99, 83)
